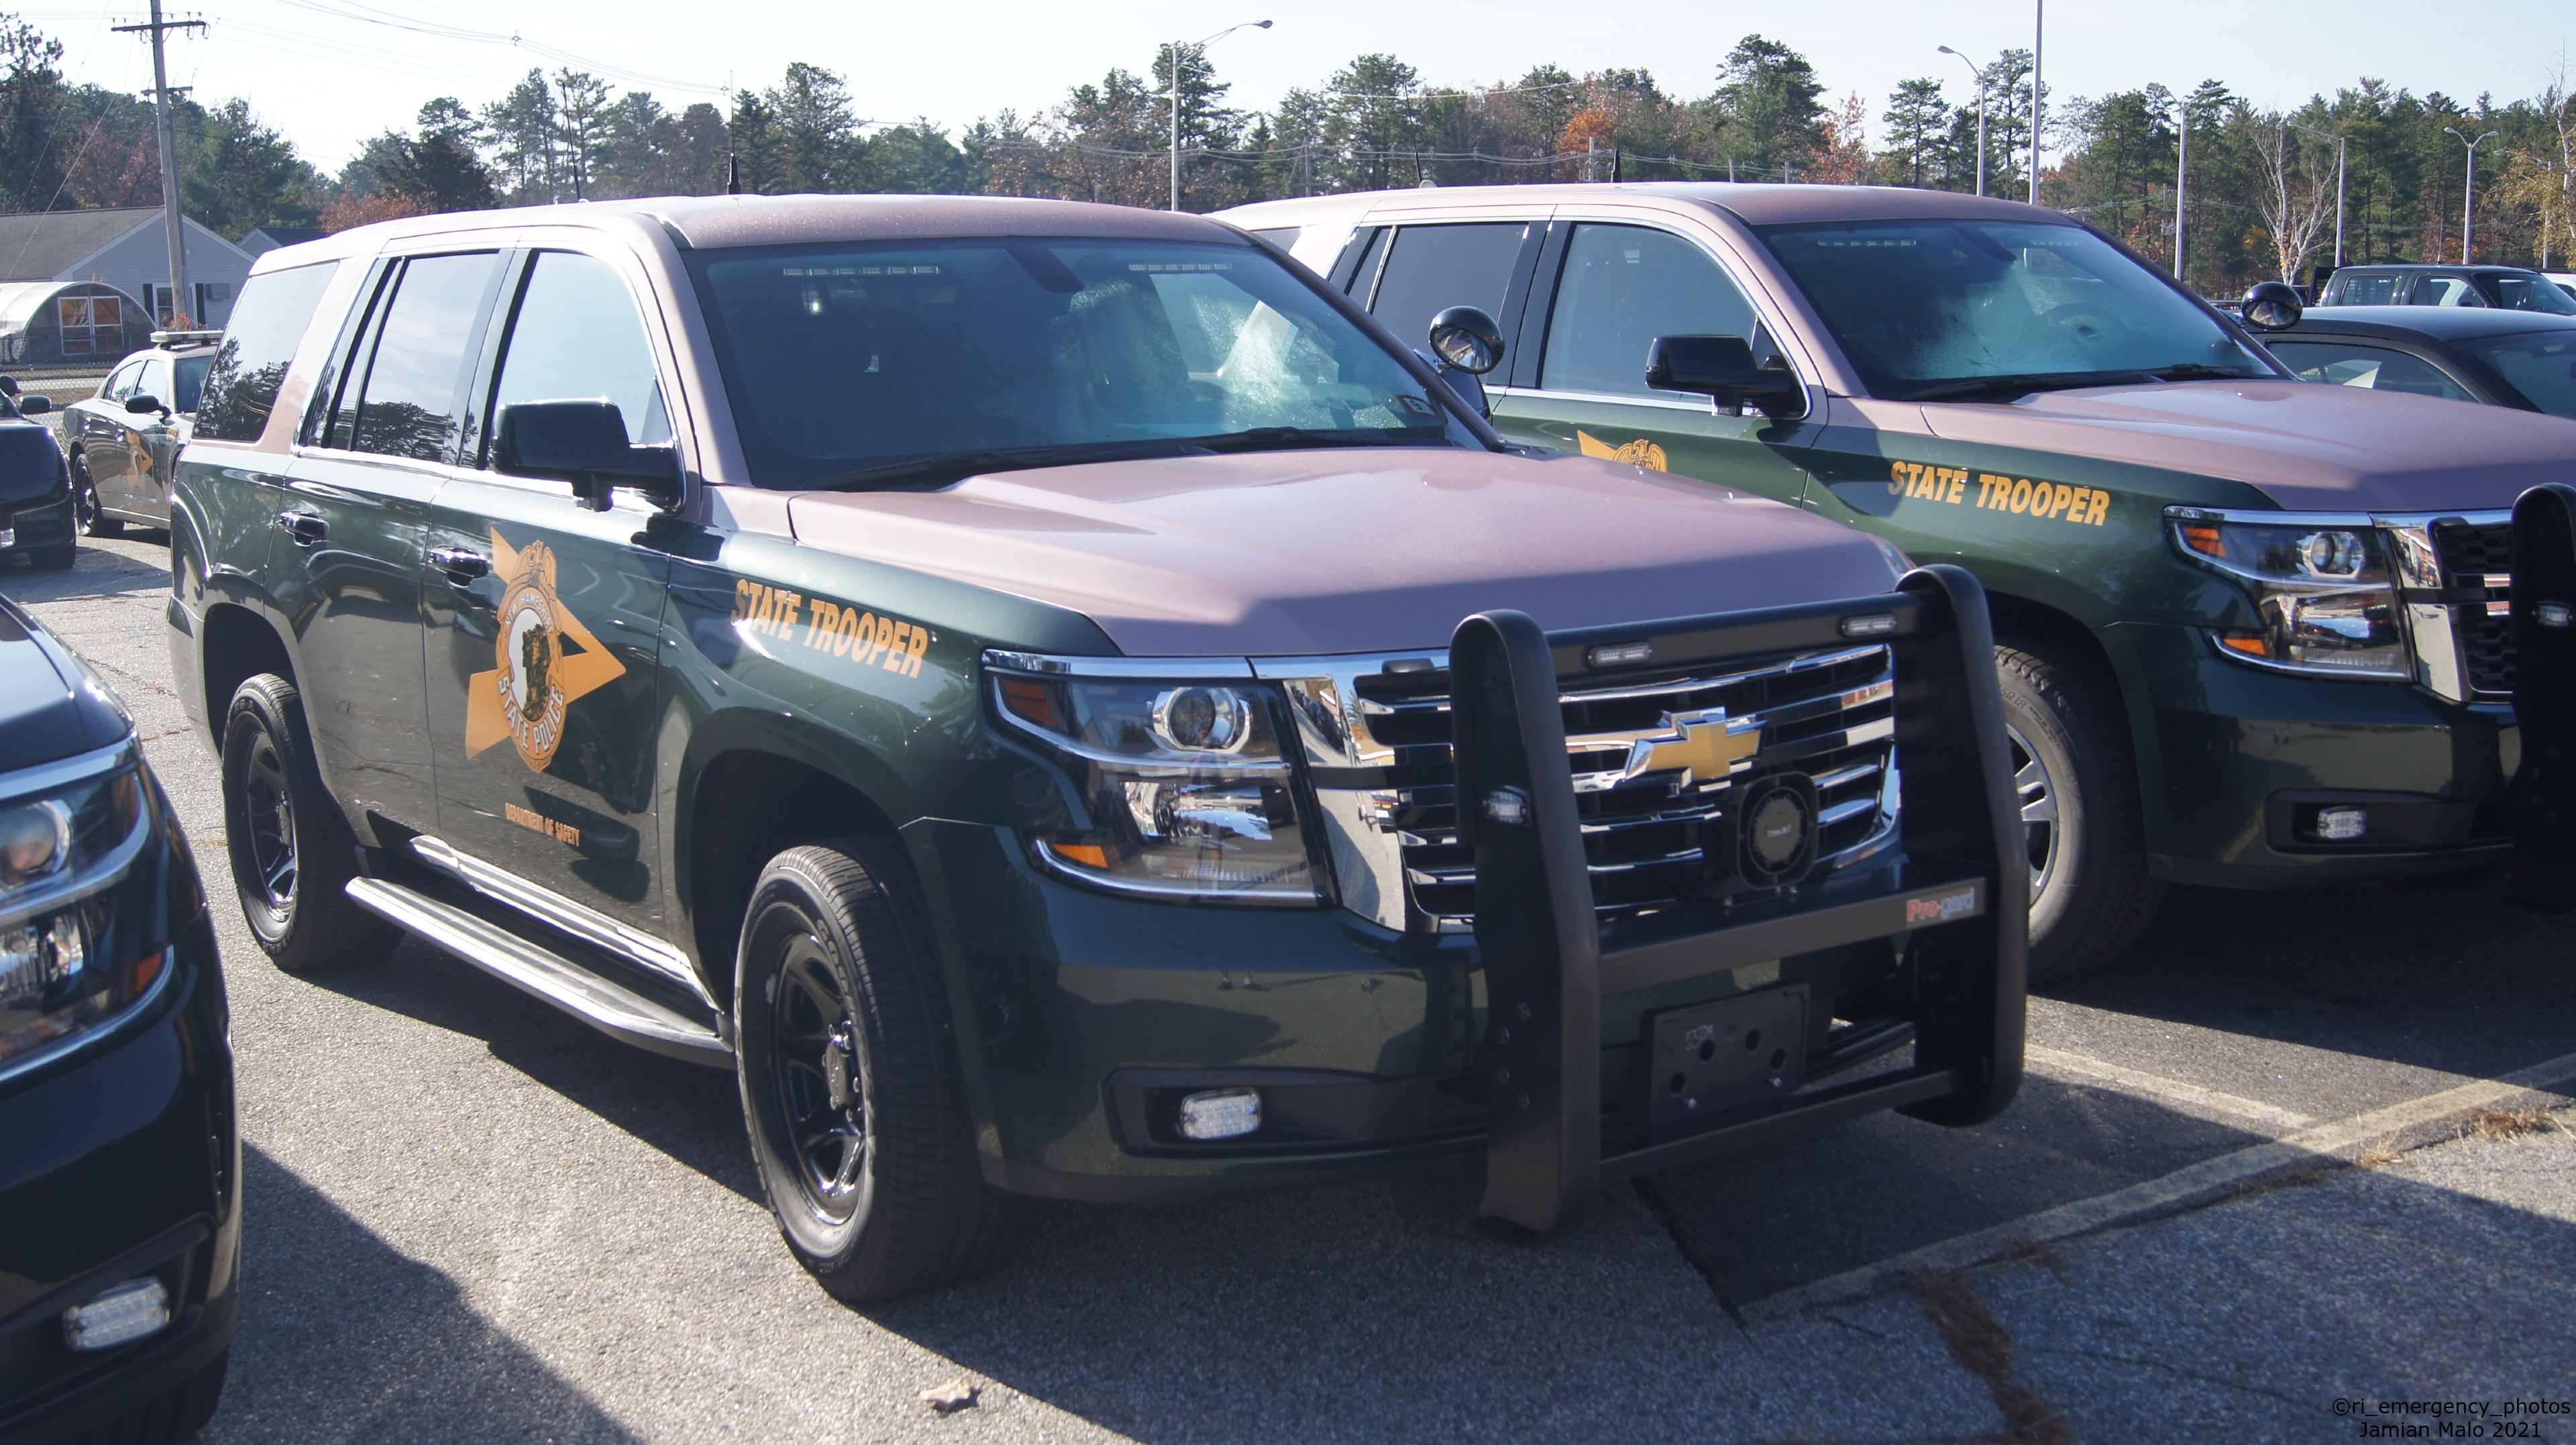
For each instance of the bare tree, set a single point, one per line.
(2296, 198)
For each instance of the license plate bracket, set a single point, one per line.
(1713, 1057)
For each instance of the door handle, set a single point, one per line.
(306, 528)
(463, 565)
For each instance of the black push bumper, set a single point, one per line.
(2542, 800)
(1957, 899)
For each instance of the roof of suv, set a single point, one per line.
(1760, 205)
(695, 222)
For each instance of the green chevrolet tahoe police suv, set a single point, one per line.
(983, 670)
(2253, 632)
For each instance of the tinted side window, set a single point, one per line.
(121, 385)
(2369, 290)
(408, 408)
(2378, 368)
(155, 381)
(1624, 286)
(578, 337)
(1433, 268)
(2447, 291)
(267, 323)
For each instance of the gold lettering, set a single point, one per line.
(1958, 488)
(2101, 504)
(894, 646)
(920, 645)
(825, 617)
(846, 632)
(2021, 495)
(1896, 472)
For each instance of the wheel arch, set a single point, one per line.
(236, 643)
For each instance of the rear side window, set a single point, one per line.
(408, 406)
(2447, 291)
(1433, 268)
(191, 383)
(267, 324)
(2376, 368)
(1623, 287)
(2541, 366)
(2366, 289)
(578, 337)
(2531, 293)
(121, 385)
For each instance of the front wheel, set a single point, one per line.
(2090, 895)
(292, 851)
(853, 1096)
(92, 518)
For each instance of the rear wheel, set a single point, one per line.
(854, 1101)
(86, 511)
(2089, 890)
(292, 852)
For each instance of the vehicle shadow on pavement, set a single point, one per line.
(690, 1113)
(343, 1338)
(96, 571)
(2436, 975)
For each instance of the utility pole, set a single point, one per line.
(2182, 171)
(2038, 36)
(169, 155)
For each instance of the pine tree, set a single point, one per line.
(1918, 127)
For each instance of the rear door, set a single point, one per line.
(1604, 292)
(382, 439)
(101, 434)
(1415, 272)
(544, 618)
(150, 443)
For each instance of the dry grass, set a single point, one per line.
(1980, 1343)
(2380, 1155)
(2498, 1125)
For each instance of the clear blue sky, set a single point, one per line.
(330, 73)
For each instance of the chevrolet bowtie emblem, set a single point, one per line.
(1707, 743)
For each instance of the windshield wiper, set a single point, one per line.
(2202, 371)
(2024, 383)
(1283, 438)
(949, 466)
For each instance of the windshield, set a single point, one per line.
(2531, 292)
(2541, 365)
(847, 362)
(1930, 306)
(191, 381)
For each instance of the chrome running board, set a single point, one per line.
(619, 1012)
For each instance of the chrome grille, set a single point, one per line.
(1377, 734)
(2480, 553)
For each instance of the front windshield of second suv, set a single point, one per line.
(885, 364)
(1993, 309)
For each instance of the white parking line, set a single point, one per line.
(2189, 1098)
(2086, 1215)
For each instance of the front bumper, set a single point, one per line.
(122, 1161)
(1079, 1013)
(37, 526)
(2235, 761)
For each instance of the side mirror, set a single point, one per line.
(34, 405)
(583, 443)
(1467, 339)
(8, 386)
(2272, 306)
(142, 402)
(1722, 368)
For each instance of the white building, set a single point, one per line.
(127, 249)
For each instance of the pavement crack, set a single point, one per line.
(1981, 1345)
(1670, 1218)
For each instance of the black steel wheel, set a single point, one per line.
(2090, 894)
(291, 849)
(91, 518)
(852, 1095)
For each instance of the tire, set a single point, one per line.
(174, 1417)
(868, 1159)
(92, 520)
(292, 851)
(2090, 893)
(54, 559)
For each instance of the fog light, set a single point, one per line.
(130, 1311)
(2342, 825)
(1220, 1114)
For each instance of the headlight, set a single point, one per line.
(1188, 792)
(2321, 585)
(68, 958)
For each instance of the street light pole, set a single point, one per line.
(1177, 52)
(2469, 190)
(1981, 115)
(2038, 37)
(2182, 173)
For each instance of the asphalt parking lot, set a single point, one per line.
(2300, 1157)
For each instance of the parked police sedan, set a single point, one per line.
(120, 1166)
(123, 440)
(2520, 359)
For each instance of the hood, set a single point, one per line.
(51, 706)
(1356, 550)
(2308, 447)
